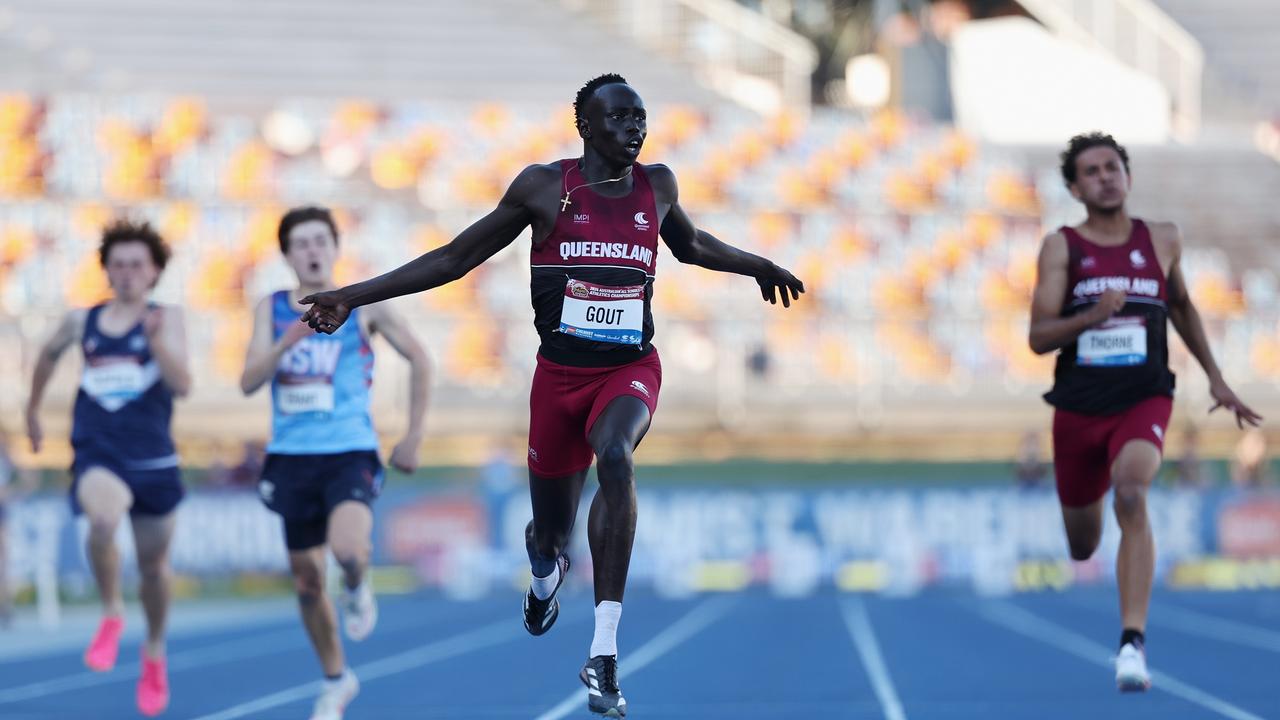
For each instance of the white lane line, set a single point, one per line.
(864, 639)
(489, 635)
(664, 642)
(211, 654)
(1033, 626)
(256, 645)
(1193, 622)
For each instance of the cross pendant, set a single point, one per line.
(564, 202)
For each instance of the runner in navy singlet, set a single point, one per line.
(135, 363)
(596, 220)
(1105, 293)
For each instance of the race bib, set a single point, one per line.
(602, 313)
(292, 399)
(114, 381)
(1119, 342)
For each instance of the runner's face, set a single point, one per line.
(312, 252)
(130, 271)
(1101, 180)
(615, 124)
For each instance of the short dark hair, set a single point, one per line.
(299, 215)
(122, 231)
(1080, 143)
(586, 91)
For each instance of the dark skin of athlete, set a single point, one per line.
(613, 130)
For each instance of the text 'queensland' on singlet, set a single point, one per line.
(123, 408)
(320, 391)
(592, 277)
(1125, 360)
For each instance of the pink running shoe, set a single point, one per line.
(101, 655)
(153, 686)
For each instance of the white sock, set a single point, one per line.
(605, 641)
(543, 587)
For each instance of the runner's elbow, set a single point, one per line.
(1039, 345)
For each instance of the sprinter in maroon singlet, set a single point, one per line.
(1106, 291)
(596, 221)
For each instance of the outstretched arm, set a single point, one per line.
(1186, 320)
(443, 265)
(698, 247)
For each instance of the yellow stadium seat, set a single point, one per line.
(87, 284)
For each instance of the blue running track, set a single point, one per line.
(748, 656)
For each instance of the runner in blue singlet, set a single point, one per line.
(322, 470)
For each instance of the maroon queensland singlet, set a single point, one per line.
(1118, 364)
(592, 277)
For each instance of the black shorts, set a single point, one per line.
(304, 489)
(156, 492)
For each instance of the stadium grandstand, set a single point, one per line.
(916, 234)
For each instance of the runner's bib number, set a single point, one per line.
(1119, 342)
(603, 313)
(115, 382)
(292, 399)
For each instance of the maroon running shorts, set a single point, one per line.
(1085, 446)
(565, 402)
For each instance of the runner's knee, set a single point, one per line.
(152, 569)
(614, 461)
(1082, 548)
(308, 582)
(103, 524)
(350, 553)
(1130, 502)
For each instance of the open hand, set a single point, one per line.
(327, 312)
(777, 281)
(1225, 397)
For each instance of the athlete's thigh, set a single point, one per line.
(290, 487)
(350, 524)
(625, 403)
(1136, 464)
(1136, 445)
(102, 494)
(152, 535)
(1080, 462)
(1084, 523)
(626, 418)
(559, 404)
(308, 564)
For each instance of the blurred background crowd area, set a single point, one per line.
(855, 153)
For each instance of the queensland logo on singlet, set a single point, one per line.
(1089, 287)
(611, 250)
